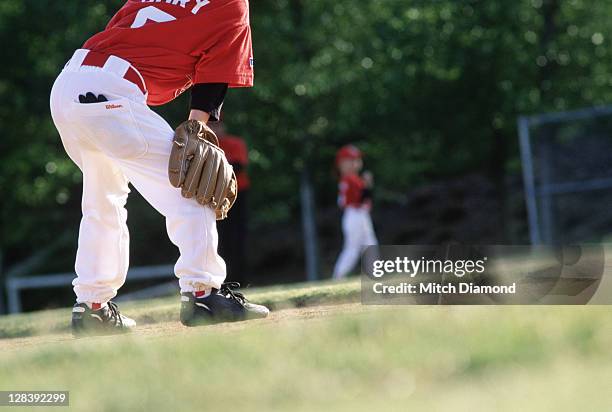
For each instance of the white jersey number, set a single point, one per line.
(151, 13)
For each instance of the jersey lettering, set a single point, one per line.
(201, 3)
(183, 3)
(151, 13)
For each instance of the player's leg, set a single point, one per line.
(351, 250)
(191, 227)
(103, 247)
(103, 250)
(369, 235)
(103, 253)
(102, 258)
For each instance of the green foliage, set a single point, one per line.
(428, 89)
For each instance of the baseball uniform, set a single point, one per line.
(150, 52)
(357, 226)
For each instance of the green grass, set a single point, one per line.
(368, 358)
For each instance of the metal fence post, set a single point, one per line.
(2, 289)
(309, 226)
(528, 180)
(14, 297)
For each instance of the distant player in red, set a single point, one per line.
(355, 199)
(233, 231)
(150, 52)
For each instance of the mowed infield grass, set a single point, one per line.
(322, 350)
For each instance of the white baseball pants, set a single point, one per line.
(115, 143)
(358, 233)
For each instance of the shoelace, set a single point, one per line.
(227, 289)
(114, 310)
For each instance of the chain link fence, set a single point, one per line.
(567, 172)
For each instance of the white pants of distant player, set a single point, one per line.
(115, 143)
(358, 233)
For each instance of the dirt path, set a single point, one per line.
(163, 329)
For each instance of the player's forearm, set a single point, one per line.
(200, 115)
(207, 101)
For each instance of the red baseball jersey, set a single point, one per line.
(177, 43)
(350, 191)
(235, 149)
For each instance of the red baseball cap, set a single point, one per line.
(347, 152)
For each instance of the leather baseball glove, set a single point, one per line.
(200, 169)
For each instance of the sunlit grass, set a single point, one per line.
(355, 358)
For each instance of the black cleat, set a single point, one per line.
(223, 305)
(105, 321)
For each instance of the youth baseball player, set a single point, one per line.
(150, 52)
(355, 199)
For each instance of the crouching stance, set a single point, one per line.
(148, 55)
